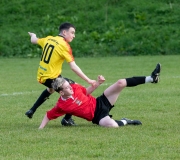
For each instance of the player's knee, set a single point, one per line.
(121, 83)
(114, 125)
(50, 90)
(108, 122)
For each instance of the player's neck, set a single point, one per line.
(61, 35)
(63, 97)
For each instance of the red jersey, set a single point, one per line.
(80, 105)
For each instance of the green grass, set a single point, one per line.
(156, 105)
(103, 27)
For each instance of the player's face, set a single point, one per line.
(69, 35)
(67, 90)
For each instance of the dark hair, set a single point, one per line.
(65, 26)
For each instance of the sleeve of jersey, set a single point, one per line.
(67, 53)
(42, 40)
(54, 113)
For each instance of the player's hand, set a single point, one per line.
(100, 79)
(34, 39)
(31, 34)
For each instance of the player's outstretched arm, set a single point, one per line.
(44, 122)
(34, 38)
(75, 68)
(99, 81)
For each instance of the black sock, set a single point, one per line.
(134, 81)
(120, 123)
(67, 116)
(43, 97)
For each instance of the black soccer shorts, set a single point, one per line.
(102, 110)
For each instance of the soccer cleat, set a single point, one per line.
(69, 122)
(156, 73)
(132, 122)
(29, 113)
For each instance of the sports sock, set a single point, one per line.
(134, 81)
(42, 98)
(121, 122)
(148, 79)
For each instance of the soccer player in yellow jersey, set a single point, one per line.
(55, 50)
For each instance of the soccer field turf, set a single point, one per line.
(156, 105)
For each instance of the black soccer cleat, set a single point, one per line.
(69, 122)
(29, 113)
(156, 73)
(132, 122)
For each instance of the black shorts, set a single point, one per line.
(48, 82)
(102, 110)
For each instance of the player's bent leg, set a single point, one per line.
(113, 91)
(108, 122)
(42, 98)
(50, 90)
(116, 87)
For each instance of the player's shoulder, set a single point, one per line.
(75, 85)
(44, 38)
(60, 39)
(79, 85)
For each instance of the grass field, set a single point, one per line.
(156, 105)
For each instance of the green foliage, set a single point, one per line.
(156, 105)
(103, 27)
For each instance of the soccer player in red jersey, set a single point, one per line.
(77, 100)
(55, 50)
